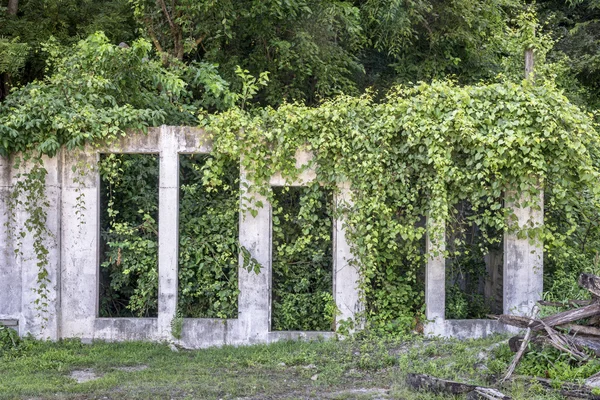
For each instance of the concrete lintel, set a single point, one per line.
(304, 159)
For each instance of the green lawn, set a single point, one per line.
(349, 369)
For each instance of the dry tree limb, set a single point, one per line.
(562, 343)
(569, 316)
(437, 385)
(560, 318)
(521, 351)
(582, 329)
(591, 283)
(486, 393)
(592, 343)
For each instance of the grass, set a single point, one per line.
(351, 369)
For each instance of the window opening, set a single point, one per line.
(128, 284)
(302, 259)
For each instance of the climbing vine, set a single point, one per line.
(415, 153)
(419, 153)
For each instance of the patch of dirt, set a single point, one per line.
(84, 375)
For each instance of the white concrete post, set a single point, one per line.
(523, 278)
(42, 321)
(168, 231)
(435, 278)
(10, 270)
(254, 301)
(79, 243)
(346, 275)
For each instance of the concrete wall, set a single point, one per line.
(73, 220)
(522, 275)
(73, 223)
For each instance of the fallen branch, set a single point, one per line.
(437, 385)
(591, 283)
(523, 346)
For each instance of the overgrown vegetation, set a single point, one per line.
(362, 368)
(208, 239)
(412, 151)
(303, 259)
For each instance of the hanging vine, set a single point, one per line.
(416, 152)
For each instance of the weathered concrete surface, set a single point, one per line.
(523, 260)
(346, 274)
(10, 272)
(435, 279)
(73, 220)
(254, 300)
(473, 328)
(168, 228)
(80, 244)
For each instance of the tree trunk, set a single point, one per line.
(13, 7)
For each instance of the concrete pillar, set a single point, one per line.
(168, 231)
(254, 301)
(80, 231)
(346, 275)
(10, 270)
(42, 320)
(435, 278)
(523, 258)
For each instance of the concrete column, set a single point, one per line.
(42, 320)
(10, 270)
(435, 277)
(346, 275)
(523, 258)
(80, 232)
(254, 301)
(168, 231)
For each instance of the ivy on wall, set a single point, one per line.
(418, 151)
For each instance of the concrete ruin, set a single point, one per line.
(72, 310)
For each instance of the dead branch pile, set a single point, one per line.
(575, 331)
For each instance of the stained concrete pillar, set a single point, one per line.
(40, 315)
(435, 278)
(523, 257)
(10, 270)
(254, 300)
(168, 230)
(346, 274)
(80, 232)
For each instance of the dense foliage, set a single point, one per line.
(419, 153)
(302, 259)
(408, 152)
